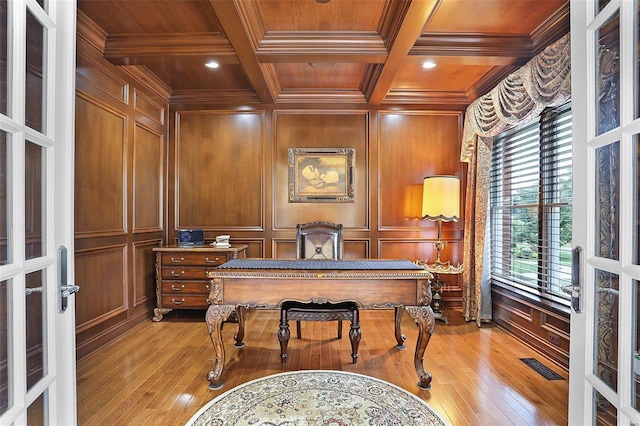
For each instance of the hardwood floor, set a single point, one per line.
(155, 374)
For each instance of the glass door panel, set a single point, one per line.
(606, 199)
(4, 206)
(6, 397)
(36, 411)
(635, 357)
(605, 412)
(636, 202)
(636, 63)
(34, 100)
(34, 199)
(4, 57)
(608, 75)
(35, 328)
(602, 4)
(606, 328)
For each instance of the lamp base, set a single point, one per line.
(437, 283)
(436, 286)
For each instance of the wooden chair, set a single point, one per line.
(319, 240)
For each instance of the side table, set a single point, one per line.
(437, 283)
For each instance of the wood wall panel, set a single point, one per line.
(96, 273)
(414, 145)
(357, 249)
(424, 251)
(286, 249)
(148, 172)
(219, 169)
(148, 107)
(320, 129)
(91, 73)
(539, 325)
(255, 246)
(144, 273)
(120, 200)
(100, 166)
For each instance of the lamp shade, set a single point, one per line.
(441, 198)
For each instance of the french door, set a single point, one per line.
(37, 94)
(604, 384)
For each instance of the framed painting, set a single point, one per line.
(321, 175)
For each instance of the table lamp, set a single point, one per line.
(441, 203)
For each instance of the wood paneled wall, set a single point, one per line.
(541, 325)
(120, 202)
(146, 167)
(229, 170)
(225, 168)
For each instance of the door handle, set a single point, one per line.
(64, 290)
(28, 291)
(575, 289)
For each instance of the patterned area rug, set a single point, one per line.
(316, 397)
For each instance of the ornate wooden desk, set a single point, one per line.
(242, 284)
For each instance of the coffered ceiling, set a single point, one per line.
(327, 51)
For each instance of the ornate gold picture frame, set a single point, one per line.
(321, 175)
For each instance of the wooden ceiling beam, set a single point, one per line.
(322, 46)
(247, 97)
(140, 49)
(325, 96)
(511, 46)
(431, 98)
(556, 26)
(413, 21)
(234, 28)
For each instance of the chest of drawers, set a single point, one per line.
(181, 275)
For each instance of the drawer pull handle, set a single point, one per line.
(208, 301)
(174, 260)
(176, 274)
(206, 259)
(207, 287)
(177, 302)
(173, 287)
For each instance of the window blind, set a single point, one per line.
(530, 204)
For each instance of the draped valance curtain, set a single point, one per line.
(544, 81)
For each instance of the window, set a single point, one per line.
(530, 196)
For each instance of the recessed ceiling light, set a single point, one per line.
(212, 64)
(428, 64)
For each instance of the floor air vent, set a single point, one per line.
(542, 369)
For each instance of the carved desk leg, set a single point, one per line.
(216, 314)
(400, 338)
(159, 313)
(423, 316)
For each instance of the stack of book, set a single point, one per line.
(222, 241)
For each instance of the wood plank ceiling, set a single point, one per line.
(327, 51)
